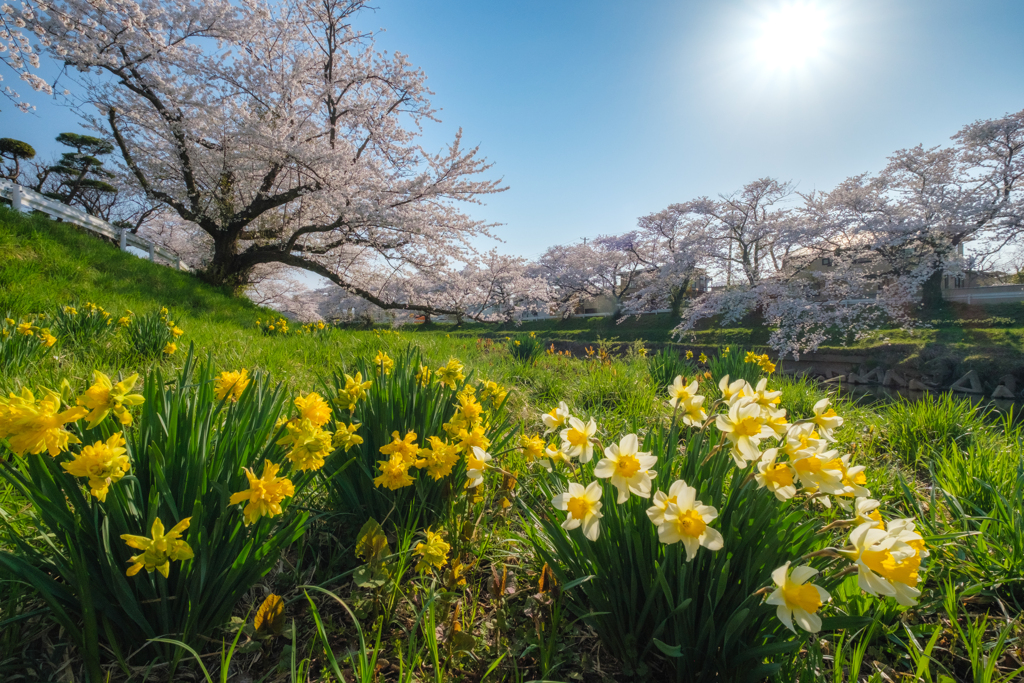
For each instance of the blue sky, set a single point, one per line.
(597, 112)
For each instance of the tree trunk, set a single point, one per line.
(225, 270)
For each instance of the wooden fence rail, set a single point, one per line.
(25, 200)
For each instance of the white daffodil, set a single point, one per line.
(576, 439)
(627, 469)
(818, 471)
(765, 398)
(777, 477)
(745, 430)
(662, 500)
(693, 412)
(553, 455)
(854, 478)
(583, 506)
(865, 511)
(679, 392)
(887, 561)
(687, 520)
(775, 418)
(802, 437)
(475, 466)
(797, 600)
(826, 419)
(556, 418)
(735, 391)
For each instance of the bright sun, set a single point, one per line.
(791, 36)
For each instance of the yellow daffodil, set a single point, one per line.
(353, 393)
(493, 392)
(533, 447)
(469, 439)
(176, 331)
(689, 355)
(476, 463)
(423, 376)
(627, 469)
(751, 357)
(404, 447)
(470, 409)
(265, 493)
(583, 506)
(102, 463)
(556, 418)
(159, 551)
(703, 359)
(797, 600)
(46, 338)
(104, 397)
(450, 374)
(433, 553)
(32, 426)
(686, 521)
(314, 408)
(439, 459)
(776, 476)
(394, 473)
(230, 385)
(310, 444)
(745, 430)
(170, 348)
(383, 363)
(346, 436)
(25, 329)
(576, 439)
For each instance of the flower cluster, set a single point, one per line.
(12, 329)
(762, 361)
(802, 461)
(313, 329)
(310, 442)
(273, 326)
(465, 435)
(33, 426)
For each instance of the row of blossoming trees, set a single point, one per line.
(275, 137)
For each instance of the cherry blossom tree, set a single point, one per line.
(675, 247)
(588, 269)
(279, 130)
(18, 27)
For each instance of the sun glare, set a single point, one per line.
(791, 36)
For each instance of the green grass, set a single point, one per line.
(955, 468)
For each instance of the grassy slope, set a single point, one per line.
(45, 264)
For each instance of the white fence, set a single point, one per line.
(983, 295)
(25, 200)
